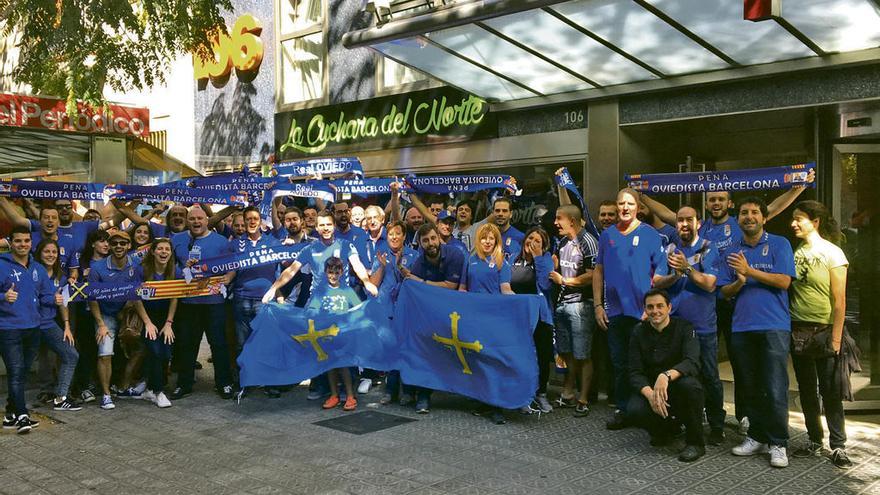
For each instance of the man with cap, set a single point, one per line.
(445, 224)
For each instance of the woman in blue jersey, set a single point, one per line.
(486, 271)
(158, 318)
(97, 248)
(57, 340)
(530, 274)
(141, 239)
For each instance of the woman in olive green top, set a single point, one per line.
(818, 303)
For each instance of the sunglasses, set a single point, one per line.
(119, 243)
(64, 207)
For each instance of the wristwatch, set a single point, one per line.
(668, 375)
(688, 270)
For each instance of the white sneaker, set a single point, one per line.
(140, 387)
(148, 395)
(750, 446)
(778, 456)
(365, 385)
(744, 426)
(162, 401)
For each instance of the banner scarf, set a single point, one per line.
(565, 180)
(254, 257)
(175, 194)
(160, 289)
(452, 343)
(17, 188)
(230, 182)
(755, 179)
(305, 169)
(443, 184)
(362, 187)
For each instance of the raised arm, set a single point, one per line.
(564, 200)
(221, 215)
(426, 213)
(394, 204)
(14, 217)
(659, 209)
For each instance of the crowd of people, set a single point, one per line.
(651, 294)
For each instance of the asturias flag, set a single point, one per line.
(290, 344)
(477, 345)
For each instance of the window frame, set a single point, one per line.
(383, 90)
(280, 105)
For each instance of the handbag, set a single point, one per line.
(811, 340)
(130, 328)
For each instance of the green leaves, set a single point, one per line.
(74, 48)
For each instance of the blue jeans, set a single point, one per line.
(712, 387)
(619, 330)
(18, 347)
(195, 320)
(53, 337)
(245, 308)
(158, 354)
(762, 359)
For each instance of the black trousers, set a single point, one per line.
(685, 406)
(544, 346)
(814, 377)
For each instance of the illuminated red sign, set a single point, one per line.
(51, 114)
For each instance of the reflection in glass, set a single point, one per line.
(302, 68)
(297, 15)
(394, 74)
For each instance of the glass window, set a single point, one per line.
(302, 68)
(302, 52)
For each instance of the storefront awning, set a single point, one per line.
(545, 51)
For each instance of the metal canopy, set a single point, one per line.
(531, 51)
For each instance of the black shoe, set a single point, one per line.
(563, 402)
(67, 404)
(227, 392)
(581, 410)
(498, 417)
(813, 449)
(691, 453)
(180, 393)
(660, 440)
(272, 393)
(840, 459)
(24, 424)
(618, 422)
(716, 437)
(9, 421)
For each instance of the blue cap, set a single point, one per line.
(444, 215)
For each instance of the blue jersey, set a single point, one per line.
(723, 235)
(689, 301)
(104, 271)
(391, 276)
(484, 276)
(358, 238)
(629, 264)
(253, 282)
(79, 231)
(512, 241)
(297, 291)
(68, 252)
(34, 290)
(760, 307)
(447, 270)
(317, 253)
(48, 308)
(209, 246)
(668, 235)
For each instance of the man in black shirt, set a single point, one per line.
(664, 366)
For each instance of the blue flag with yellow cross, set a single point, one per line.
(290, 344)
(477, 345)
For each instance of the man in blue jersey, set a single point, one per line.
(758, 271)
(46, 228)
(439, 265)
(357, 236)
(445, 225)
(630, 260)
(296, 291)
(695, 263)
(203, 314)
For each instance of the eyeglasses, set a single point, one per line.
(64, 207)
(119, 243)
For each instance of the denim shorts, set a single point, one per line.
(105, 347)
(574, 323)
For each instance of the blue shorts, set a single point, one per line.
(105, 347)
(574, 324)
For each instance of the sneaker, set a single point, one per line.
(227, 392)
(529, 409)
(716, 437)
(813, 449)
(582, 410)
(316, 394)
(385, 400)
(180, 393)
(149, 396)
(162, 401)
(744, 426)
(66, 405)
(129, 393)
(691, 453)
(107, 403)
(618, 422)
(87, 396)
(140, 387)
(405, 400)
(778, 457)
(350, 404)
(331, 402)
(423, 406)
(750, 446)
(9, 421)
(565, 401)
(364, 385)
(497, 417)
(543, 403)
(24, 424)
(840, 459)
